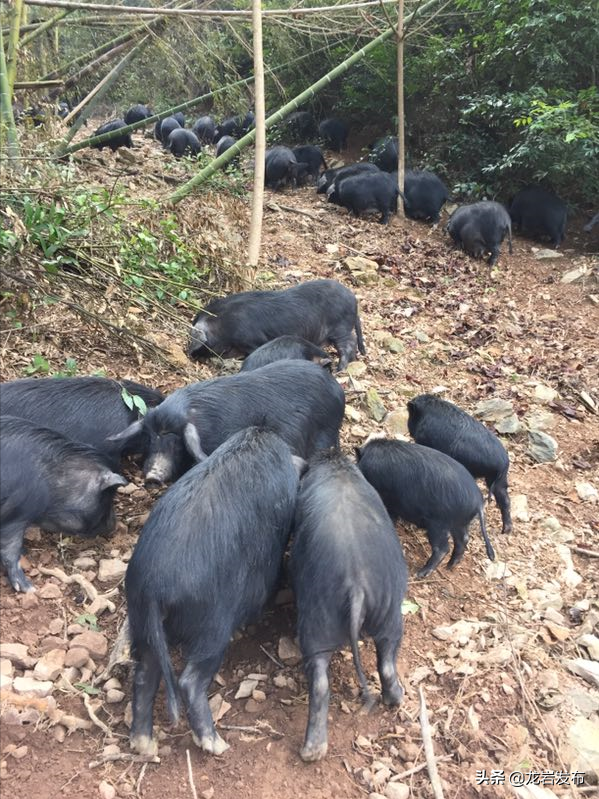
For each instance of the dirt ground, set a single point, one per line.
(488, 643)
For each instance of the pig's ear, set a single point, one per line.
(128, 432)
(326, 363)
(192, 442)
(112, 480)
(300, 464)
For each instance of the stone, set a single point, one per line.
(218, 707)
(50, 665)
(20, 752)
(288, 651)
(509, 426)
(583, 738)
(381, 776)
(50, 591)
(541, 446)
(77, 656)
(408, 750)
(587, 492)
(106, 790)
(396, 422)
(55, 627)
(493, 410)
(587, 669)
(29, 685)
(591, 643)
(245, 689)
(208, 793)
(112, 683)
(545, 393)
(547, 255)
(95, 643)
(539, 419)
(5, 681)
(393, 344)
(258, 695)
(375, 405)
(29, 600)
(59, 733)
(113, 695)
(397, 790)
(356, 368)
(111, 749)
(257, 676)
(84, 562)
(574, 274)
(111, 570)
(251, 706)
(52, 642)
(17, 654)
(520, 507)
(6, 667)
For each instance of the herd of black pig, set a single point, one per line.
(255, 461)
(367, 186)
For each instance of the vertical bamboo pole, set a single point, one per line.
(8, 128)
(258, 193)
(13, 42)
(400, 108)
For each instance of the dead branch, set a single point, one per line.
(127, 757)
(194, 793)
(429, 750)
(99, 602)
(590, 553)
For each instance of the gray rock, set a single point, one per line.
(541, 446)
(17, 654)
(288, 651)
(29, 685)
(509, 426)
(493, 410)
(113, 696)
(547, 255)
(50, 665)
(95, 643)
(111, 570)
(397, 790)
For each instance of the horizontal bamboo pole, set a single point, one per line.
(204, 12)
(36, 84)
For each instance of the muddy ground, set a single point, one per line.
(488, 643)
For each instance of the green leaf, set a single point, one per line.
(140, 404)
(409, 606)
(127, 398)
(88, 619)
(87, 689)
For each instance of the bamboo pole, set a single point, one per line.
(7, 120)
(13, 43)
(181, 107)
(307, 94)
(36, 84)
(401, 159)
(260, 149)
(203, 12)
(86, 106)
(72, 80)
(43, 26)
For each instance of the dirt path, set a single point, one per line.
(488, 643)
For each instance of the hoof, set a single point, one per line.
(310, 754)
(214, 744)
(393, 697)
(506, 529)
(144, 745)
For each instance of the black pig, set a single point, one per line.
(334, 133)
(429, 489)
(366, 192)
(439, 424)
(205, 563)
(205, 129)
(124, 140)
(329, 176)
(321, 311)
(541, 213)
(182, 141)
(84, 409)
(298, 400)
(480, 228)
(50, 481)
(285, 348)
(349, 577)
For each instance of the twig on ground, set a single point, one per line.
(272, 206)
(590, 553)
(194, 793)
(402, 775)
(99, 602)
(128, 757)
(429, 750)
(142, 774)
(275, 660)
(92, 714)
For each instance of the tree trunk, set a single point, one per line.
(13, 43)
(7, 120)
(401, 160)
(258, 194)
(246, 140)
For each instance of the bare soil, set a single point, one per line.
(498, 693)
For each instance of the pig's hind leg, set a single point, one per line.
(438, 539)
(194, 683)
(145, 685)
(317, 672)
